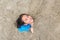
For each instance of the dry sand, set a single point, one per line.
(45, 12)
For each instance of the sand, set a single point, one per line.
(45, 12)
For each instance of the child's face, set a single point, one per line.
(27, 19)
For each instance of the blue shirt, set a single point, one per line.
(24, 28)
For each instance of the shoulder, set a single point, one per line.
(25, 26)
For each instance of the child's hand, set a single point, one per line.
(32, 30)
(32, 26)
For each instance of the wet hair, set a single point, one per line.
(19, 21)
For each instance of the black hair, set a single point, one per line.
(19, 21)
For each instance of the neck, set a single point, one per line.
(25, 24)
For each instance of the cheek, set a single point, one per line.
(27, 21)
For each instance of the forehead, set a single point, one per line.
(24, 17)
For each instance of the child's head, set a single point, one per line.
(24, 19)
